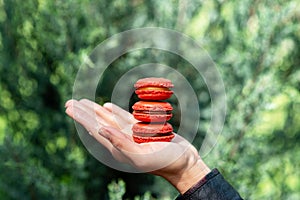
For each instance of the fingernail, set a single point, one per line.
(68, 103)
(107, 104)
(69, 112)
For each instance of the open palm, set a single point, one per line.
(111, 126)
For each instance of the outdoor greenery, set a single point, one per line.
(254, 44)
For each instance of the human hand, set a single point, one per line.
(177, 161)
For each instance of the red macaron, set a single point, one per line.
(153, 88)
(152, 111)
(152, 132)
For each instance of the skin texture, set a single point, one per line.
(111, 126)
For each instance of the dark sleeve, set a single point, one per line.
(212, 186)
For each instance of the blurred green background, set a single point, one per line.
(255, 45)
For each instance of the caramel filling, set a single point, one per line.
(154, 88)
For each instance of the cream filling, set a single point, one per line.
(154, 88)
(152, 112)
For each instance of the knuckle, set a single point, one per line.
(116, 143)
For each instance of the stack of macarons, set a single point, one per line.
(152, 112)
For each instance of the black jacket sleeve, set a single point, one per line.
(212, 187)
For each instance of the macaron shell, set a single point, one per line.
(152, 128)
(146, 117)
(153, 82)
(152, 106)
(164, 138)
(154, 94)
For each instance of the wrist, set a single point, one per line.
(189, 176)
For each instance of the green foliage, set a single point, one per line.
(255, 45)
(259, 56)
(116, 190)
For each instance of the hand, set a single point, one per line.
(177, 161)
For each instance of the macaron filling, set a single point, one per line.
(152, 134)
(154, 88)
(150, 112)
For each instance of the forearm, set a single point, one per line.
(191, 177)
(184, 179)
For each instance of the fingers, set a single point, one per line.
(82, 116)
(84, 113)
(110, 118)
(124, 119)
(119, 140)
(68, 103)
(87, 119)
(100, 111)
(95, 108)
(126, 116)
